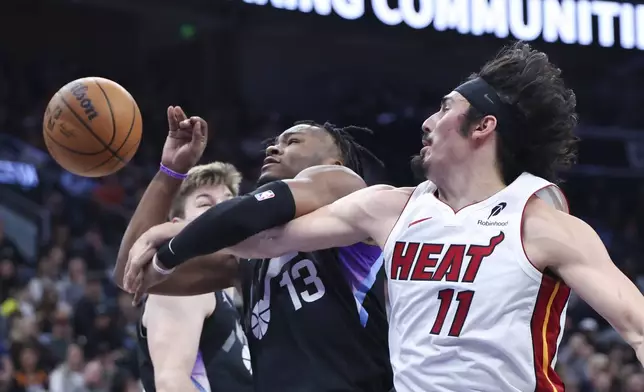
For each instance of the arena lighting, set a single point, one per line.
(18, 173)
(567, 21)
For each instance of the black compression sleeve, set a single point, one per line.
(229, 223)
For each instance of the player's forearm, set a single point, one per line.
(151, 211)
(233, 221)
(229, 223)
(200, 275)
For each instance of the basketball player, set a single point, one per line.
(315, 321)
(481, 258)
(195, 343)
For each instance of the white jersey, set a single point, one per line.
(469, 312)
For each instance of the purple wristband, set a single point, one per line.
(172, 173)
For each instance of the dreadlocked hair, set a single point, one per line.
(354, 155)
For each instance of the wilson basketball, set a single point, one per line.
(92, 127)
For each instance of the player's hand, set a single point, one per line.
(141, 253)
(186, 141)
(148, 278)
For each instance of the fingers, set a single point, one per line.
(179, 114)
(127, 273)
(138, 292)
(137, 298)
(200, 130)
(185, 125)
(172, 119)
(175, 116)
(198, 134)
(130, 275)
(136, 264)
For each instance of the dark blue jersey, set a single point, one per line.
(316, 322)
(222, 363)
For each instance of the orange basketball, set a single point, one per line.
(92, 127)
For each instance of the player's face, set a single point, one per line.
(298, 148)
(203, 198)
(443, 139)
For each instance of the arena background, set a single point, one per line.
(250, 69)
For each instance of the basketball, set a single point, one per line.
(92, 127)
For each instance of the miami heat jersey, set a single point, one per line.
(469, 312)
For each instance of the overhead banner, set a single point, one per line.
(574, 22)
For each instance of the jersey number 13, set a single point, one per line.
(314, 289)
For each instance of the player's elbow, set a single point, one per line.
(173, 381)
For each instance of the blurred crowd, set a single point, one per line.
(65, 327)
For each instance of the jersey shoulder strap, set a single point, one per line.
(528, 185)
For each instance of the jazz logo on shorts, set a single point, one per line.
(265, 195)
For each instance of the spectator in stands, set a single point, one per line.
(104, 337)
(95, 377)
(61, 236)
(61, 335)
(86, 308)
(72, 285)
(48, 275)
(634, 382)
(8, 249)
(68, 376)
(93, 249)
(30, 375)
(6, 369)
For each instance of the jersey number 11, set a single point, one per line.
(464, 299)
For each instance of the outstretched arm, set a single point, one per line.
(271, 205)
(183, 148)
(274, 204)
(239, 219)
(573, 250)
(369, 213)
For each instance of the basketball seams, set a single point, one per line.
(89, 129)
(129, 132)
(115, 163)
(50, 135)
(59, 144)
(109, 106)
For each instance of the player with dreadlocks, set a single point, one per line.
(315, 321)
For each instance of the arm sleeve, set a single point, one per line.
(229, 223)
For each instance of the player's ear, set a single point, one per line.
(175, 220)
(332, 161)
(484, 128)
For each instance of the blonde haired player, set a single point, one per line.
(195, 343)
(482, 256)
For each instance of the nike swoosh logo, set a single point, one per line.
(419, 221)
